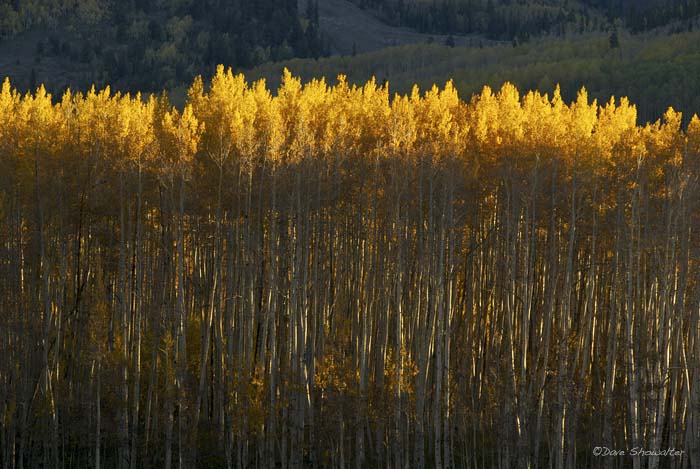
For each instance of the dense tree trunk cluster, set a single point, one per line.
(330, 277)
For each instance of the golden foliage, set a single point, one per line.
(232, 122)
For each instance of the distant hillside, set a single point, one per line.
(654, 70)
(522, 19)
(146, 44)
(149, 45)
(352, 30)
(643, 15)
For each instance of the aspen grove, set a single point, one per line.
(330, 276)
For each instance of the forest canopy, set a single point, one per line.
(333, 275)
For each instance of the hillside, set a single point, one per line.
(521, 20)
(145, 45)
(350, 29)
(148, 45)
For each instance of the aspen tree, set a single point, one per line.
(181, 133)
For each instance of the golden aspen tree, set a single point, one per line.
(484, 118)
(181, 133)
(219, 111)
(42, 140)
